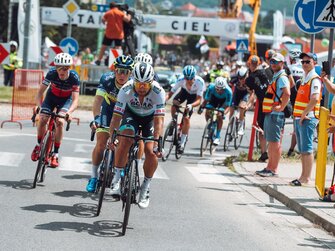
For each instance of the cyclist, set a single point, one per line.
(217, 72)
(63, 94)
(141, 102)
(243, 97)
(218, 95)
(103, 106)
(192, 88)
(144, 58)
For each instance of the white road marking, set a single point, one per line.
(82, 165)
(204, 171)
(83, 148)
(159, 174)
(12, 134)
(11, 159)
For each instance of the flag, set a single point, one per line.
(201, 42)
(34, 49)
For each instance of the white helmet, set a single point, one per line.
(221, 83)
(63, 59)
(242, 72)
(143, 57)
(294, 53)
(144, 73)
(14, 43)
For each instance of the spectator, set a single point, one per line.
(332, 72)
(306, 113)
(258, 81)
(114, 19)
(87, 57)
(14, 63)
(273, 108)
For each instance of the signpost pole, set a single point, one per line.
(330, 59)
(69, 26)
(312, 42)
(26, 34)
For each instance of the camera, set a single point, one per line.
(136, 15)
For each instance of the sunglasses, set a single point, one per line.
(62, 68)
(274, 62)
(142, 85)
(189, 78)
(305, 61)
(122, 71)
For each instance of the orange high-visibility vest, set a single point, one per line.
(303, 98)
(269, 99)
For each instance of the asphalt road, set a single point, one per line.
(196, 204)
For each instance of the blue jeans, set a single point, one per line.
(273, 126)
(305, 134)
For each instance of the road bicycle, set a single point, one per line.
(209, 133)
(130, 179)
(172, 135)
(105, 176)
(232, 134)
(46, 145)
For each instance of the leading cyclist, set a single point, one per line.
(63, 94)
(218, 95)
(140, 102)
(103, 106)
(192, 88)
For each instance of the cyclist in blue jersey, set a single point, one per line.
(103, 106)
(218, 95)
(62, 94)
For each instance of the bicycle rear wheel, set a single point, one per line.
(228, 138)
(238, 138)
(211, 136)
(105, 178)
(168, 140)
(129, 192)
(205, 140)
(39, 173)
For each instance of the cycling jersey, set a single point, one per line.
(222, 99)
(62, 88)
(197, 88)
(153, 103)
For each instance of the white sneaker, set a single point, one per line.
(216, 141)
(115, 189)
(144, 199)
(240, 131)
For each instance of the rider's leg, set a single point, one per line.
(184, 130)
(207, 115)
(41, 126)
(140, 152)
(219, 125)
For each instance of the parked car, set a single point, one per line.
(165, 75)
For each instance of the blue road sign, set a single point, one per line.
(324, 13)
(100, 7)
(242, 45)
(303, 16)
(70, 45)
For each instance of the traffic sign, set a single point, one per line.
(113, 54)
(324, 13)
(71, 7)
(303, 16)
(100, 7)
(70, 45)
(53, 51)
(242, 45)
(4, 53)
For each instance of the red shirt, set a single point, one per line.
(114, 20)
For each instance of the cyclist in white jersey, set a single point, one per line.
(192, 88)
(140, 102)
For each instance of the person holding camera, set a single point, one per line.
(114, 32)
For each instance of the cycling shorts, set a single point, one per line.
(215, 102)
(51, 102)
(184, 95)
(106, 117)
(239, 96)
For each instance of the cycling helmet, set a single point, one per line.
(144, 73)
(221, 83)
(63, 59)
(294, 53)
(124, 62)
(143, 57)
(189, 72)
(14, 43)
(242, 72)
(219, 63)
(254, 59)
(269, 53)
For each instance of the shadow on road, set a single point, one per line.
(22, 184)
(98, 228)
(76, 177)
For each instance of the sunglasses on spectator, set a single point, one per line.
(62, 68)
(122, 71)
(305, 61)
(272, 61)
(142, 85)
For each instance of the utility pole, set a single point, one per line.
(27, 9)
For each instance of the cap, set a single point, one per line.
(269, 53)
(309, 54)
(278, 57)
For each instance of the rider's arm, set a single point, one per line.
(197, 101)
(74, 104)
(115, 123)
(39, 95)
(158, 126)
(251, 99)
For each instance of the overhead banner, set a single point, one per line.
(226, 28)
(34, 30)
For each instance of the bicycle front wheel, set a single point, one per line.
(168, 140)
(205, 140)
(40, 169)
(238, 138)
(129, 192)
(228, 138)
(212, 135)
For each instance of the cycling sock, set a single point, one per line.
(146, 183)
(183, 139)
(39, 139)
(218, 134)
(94, 171)
(117, 174)
(139, 162)
(56, 148)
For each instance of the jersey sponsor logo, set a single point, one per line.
(160, 106)
(127, 88)
(147, 104)
(156, 90)
(160, 111)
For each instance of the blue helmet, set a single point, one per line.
(124, 62)
(189, 72)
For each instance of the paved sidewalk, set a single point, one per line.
(304, 200)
